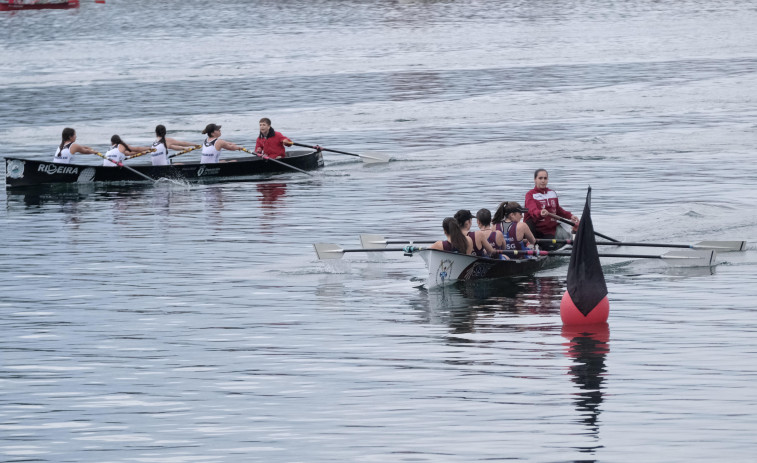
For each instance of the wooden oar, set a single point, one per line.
(687, 258)
(721, 246)
(140, 154)
(365, 157)
(572, 224)
(121, 164)
(263, 156)
(185, 151)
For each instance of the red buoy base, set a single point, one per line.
(570, 314)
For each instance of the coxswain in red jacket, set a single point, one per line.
(540, 201)
(270, 142)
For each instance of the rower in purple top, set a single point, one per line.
(481, 246)
(495, 237)
(508, 221)
(455, 241)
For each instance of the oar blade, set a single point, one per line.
(374, 158)
(689, 258)
(328, 251)
(721, 246)
(368, 241)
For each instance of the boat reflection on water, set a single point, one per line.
(587, 347)
(270, 193)
(462, 304)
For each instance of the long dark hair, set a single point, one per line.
(160, 130)
(499, 214)
(456, 237)
(116, 140)
(68, 132)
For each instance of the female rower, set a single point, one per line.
(163, 144)
(212, 146)
(481, 246)
(455, 241)
(68, 147)
(120, 151)
(517, 234)
(495, 237)
(542, 204)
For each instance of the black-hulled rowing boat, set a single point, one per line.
(26, 172)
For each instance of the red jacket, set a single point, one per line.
(544, 198)
(272, 145)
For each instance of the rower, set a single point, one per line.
(481, 246)
(68, 147)
(540, 202)
(495, 237)
(161, 145)
(120, 151)
(212, 146)
(517, 234)
(456, 239)
(270, 142)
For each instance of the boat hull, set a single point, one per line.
(449, 267)
(11, 5)
(25, 172)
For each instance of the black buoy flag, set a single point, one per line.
(586, 282)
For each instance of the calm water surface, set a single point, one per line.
(193, 323)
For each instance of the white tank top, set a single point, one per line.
(160, 155)
(210, 154)
(64, 156)
(114, 155)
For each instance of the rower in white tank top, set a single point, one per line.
(210, 155)
(160, 155)
(64, 156)
(113, 157)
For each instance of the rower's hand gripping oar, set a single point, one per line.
(121, 164)
(572, 224)
(365, 157)
(720, 246)
(267, 158)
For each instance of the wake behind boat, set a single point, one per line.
(26, 172)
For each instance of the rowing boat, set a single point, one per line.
(9, 5)
(448, 267)
(27, 172)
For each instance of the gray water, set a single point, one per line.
(194, 323)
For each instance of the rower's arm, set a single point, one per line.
(75, 148)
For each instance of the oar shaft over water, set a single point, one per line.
(365, 157)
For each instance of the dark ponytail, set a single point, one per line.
(499, 214)
(160, 130)
(116, 140)
(68, 132)
(456, 237)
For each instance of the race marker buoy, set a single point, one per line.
(585, 301)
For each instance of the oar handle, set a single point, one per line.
(185, 151)
(141, 153)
